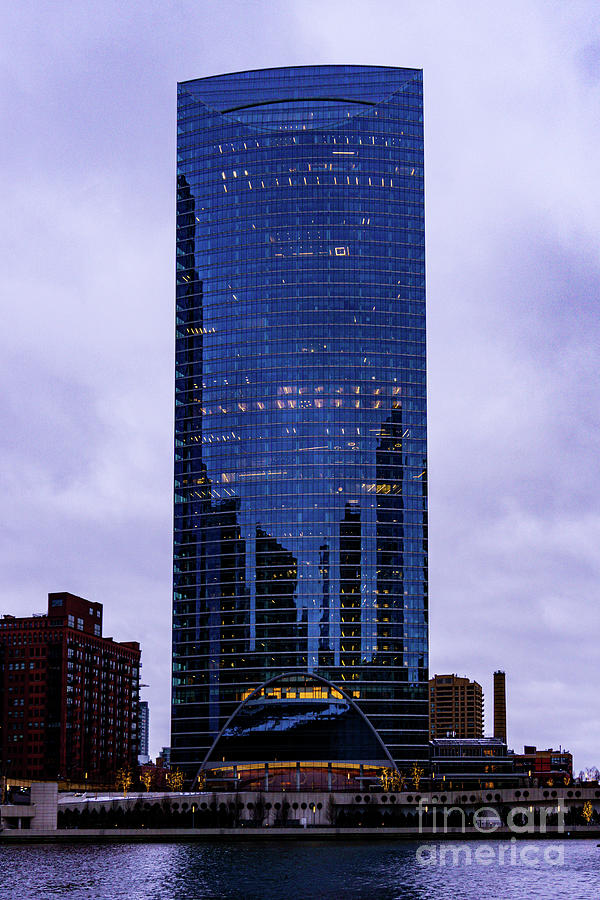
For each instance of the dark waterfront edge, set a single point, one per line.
(174, 835)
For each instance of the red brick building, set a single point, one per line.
(68, 696)
(550, 767)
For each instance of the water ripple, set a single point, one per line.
(294, 871)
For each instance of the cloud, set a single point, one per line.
(86, 361)
(513, 337)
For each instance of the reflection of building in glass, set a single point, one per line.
(300, 426)
(280, 636)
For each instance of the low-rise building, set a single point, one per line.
(548, 767)
(471, 762)
(31, 808)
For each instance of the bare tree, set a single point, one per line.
(331, 810)
(258, 811)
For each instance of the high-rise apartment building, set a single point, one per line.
(68, 695)
(455, 707)
(300, 542)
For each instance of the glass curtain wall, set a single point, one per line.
(300, 528)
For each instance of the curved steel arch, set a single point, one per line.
(281, 677)
(297, 100)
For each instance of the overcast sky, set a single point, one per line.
(512, 100)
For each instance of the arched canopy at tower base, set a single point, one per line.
(303, 729)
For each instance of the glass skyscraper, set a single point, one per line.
(300, 531)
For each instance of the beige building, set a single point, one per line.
(455, 707)
(31, 808)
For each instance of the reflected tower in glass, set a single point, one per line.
(300, 528)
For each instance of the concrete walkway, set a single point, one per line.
(319, 833)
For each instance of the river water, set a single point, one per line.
(483, 870)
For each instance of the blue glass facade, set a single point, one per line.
(300, 542)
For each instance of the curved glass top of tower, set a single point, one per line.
(300, 457)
